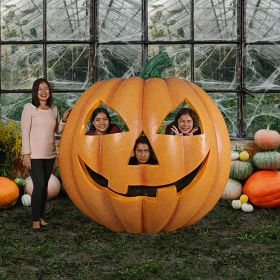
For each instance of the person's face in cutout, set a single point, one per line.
(185, 124)
(43, 92)
(101, 123)
(142, 153)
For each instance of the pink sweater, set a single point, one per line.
(38, 127)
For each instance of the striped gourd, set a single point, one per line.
(267, 160)
(240, 170)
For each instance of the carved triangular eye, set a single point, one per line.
(104, 120)
(181, 121)
(143, 152)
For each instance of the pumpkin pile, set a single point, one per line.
(268, 141)
(263, 186)
(259, 175)
(240, 169)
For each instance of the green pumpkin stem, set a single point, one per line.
(156, 65)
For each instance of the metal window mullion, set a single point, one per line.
(1, 69)
(145, 35)
(94, 37)
(241, 41)
(45, 62)
(192, 40)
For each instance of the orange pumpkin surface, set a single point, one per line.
(145, 198)
(9, 192)
(263, 188)
(267, 139)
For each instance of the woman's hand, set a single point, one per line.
(26, 160)
(66, 115)
(176, 130)
(192, 131)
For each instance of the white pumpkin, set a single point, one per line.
(233, 189)
(53, 186)
(247, 207)
(236, 204)
(26, 200)
(234, 155)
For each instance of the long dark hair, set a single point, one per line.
(35, 89)
(142, 140)
(184, 111)
(95, 113)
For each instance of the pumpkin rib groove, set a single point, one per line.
(65, 149)
(99, 218)
(167, 226)
(223, 153)
(119, 217)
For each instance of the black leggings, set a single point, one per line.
(40, 172)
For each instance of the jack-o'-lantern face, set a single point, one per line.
(182, 187)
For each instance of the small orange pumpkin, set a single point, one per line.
(267, 139)
(263, 188)
(9, 192)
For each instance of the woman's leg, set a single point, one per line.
(38, 178)
(48, 167)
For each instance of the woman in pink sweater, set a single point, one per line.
(39, 121)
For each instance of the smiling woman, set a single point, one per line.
(100, 123)
(39, 121)
(185, 123)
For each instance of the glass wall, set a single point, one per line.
(231, 48)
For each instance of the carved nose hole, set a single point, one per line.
(143, 152)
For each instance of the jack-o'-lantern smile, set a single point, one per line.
(142, 190)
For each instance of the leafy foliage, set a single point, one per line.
(10, 146)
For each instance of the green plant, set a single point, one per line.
(10, 146)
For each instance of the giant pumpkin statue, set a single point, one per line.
(185, 184)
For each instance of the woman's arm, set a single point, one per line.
(61, 123)
(26, 122)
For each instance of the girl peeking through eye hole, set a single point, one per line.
(185, 123)
(100, 123)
